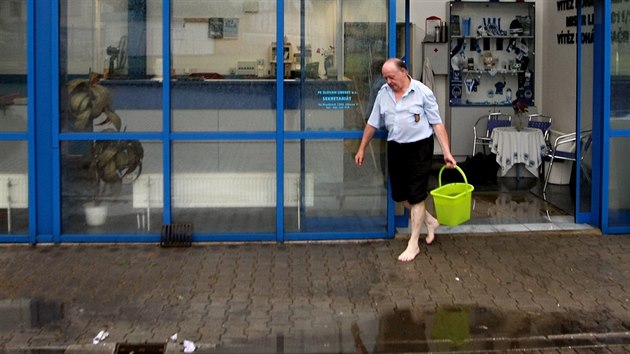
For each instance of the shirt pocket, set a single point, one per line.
(416, 114)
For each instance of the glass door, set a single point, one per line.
(616, 198)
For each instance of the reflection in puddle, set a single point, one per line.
(455, 328)
(28, 313)
(32, 351)
(469, 328)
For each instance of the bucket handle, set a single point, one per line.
(457, 168)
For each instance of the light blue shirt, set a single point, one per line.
(408, 120)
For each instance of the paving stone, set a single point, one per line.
(218, 293)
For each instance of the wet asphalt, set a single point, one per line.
(563, 292)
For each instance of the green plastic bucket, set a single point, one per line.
(452, 201)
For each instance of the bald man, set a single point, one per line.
(408, 110)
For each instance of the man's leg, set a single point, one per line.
(431, 224)
(418, 212)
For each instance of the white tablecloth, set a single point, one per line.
(512, 147)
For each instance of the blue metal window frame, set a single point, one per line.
(600, 90)
(44, 142)
(603, 10)
(589, 216)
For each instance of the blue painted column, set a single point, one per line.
(43, 114)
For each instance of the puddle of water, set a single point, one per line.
(32, 351)
(28, 313)
(470, 328)
(447, 329)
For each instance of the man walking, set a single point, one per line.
(408, 110)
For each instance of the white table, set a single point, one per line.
(514, 146)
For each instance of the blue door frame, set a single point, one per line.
(44, 138)
(602, 108)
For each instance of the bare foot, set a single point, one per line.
(431, 224)
(410, 253)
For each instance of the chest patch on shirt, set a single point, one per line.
(416, 117)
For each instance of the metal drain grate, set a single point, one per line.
(176, 235)
(144, 348)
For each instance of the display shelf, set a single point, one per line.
(492, 37)
(498, 72)
(490, 64)
(491, 47)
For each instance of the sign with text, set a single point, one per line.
(336, 99)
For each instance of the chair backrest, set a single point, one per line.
(496, 120)
(564, 145)
(540, 121)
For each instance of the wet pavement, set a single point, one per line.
(562, 292)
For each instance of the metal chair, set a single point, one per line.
(491, 121)
(569, 154)
(540, 121)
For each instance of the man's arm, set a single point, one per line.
(368, 134)
(442, 136)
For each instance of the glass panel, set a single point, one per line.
(13, 66)
(13, 187)
(225, 186)
(620, 67)
(339, 72)
(222, 65)
(109, 50)
(619, 189)
(111, 186)
(335, 194)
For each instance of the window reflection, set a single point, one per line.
(13, 62)
(110, 43)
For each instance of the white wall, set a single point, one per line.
(419, 11)
(558, 69)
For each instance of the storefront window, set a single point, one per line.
(225, 186)
(335, 195)
(338, 71)
(13, 118)
(13, 89)
(222, 65)
(620, 67)
(109, 50)
(13, 188)
(114, 192)
(619, 192)
(113, 49)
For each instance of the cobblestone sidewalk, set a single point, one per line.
(338, 297)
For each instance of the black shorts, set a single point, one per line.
(409, 167)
